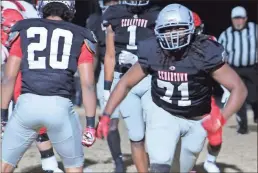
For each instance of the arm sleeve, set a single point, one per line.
(215, 57)
(16, 48)
(86, 56)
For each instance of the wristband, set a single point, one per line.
(90, 121)
(107, 85)
(4, 115)
(106, 114)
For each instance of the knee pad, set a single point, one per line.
(42, 138)
(159, 168)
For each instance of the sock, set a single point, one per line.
(114, 146)
(211, 158)
(48, 160)
(159, 168)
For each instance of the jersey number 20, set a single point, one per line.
(169, 92)
(42, 44)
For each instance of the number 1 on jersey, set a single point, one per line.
(132, 38)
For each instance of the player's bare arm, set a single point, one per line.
(227, 77)
(11, 71)
(109, 60)
(86, 71)
(131, 78)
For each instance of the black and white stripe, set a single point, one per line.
(241, 46)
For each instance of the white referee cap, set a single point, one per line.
(238, 12)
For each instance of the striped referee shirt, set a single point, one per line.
(241, 45)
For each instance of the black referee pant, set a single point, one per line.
(249, 75)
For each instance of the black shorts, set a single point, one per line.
(249, 75)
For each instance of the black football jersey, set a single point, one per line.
(129, 28)
(50, 55)
(94, 23)
(182, 87)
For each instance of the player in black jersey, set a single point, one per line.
(182, 67)
(48, 52)
(126, 25)
(94, 23)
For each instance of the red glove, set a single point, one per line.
(103, 127)
(213, 124)
(89, 137)
(215, 120)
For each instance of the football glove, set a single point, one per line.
(126, 57)
(89, 137)
(213, 122)
(103, 127)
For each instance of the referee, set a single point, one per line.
(240, 42)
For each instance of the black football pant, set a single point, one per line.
(249, 75)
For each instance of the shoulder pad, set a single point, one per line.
(90, 46)
(146, 45)
(147, 48)
(24, 24)
(113, 12)
(214, 49)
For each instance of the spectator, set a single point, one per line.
(240, 42)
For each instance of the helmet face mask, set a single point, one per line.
(174, 27)
(137, 3)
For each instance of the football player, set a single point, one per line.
(126, 24)
(182, 66)
(48, 52)
(213, 148)
(49, 163)
(94, 23)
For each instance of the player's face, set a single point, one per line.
(175, 34)
(239, 22)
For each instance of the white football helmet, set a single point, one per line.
(136, 2)
(41, 3)
(174, 27)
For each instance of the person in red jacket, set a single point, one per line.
(48, 159)
(215, 140)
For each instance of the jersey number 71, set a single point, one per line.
(183, 88)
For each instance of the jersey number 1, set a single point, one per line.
(132, 38)
(54, 43)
